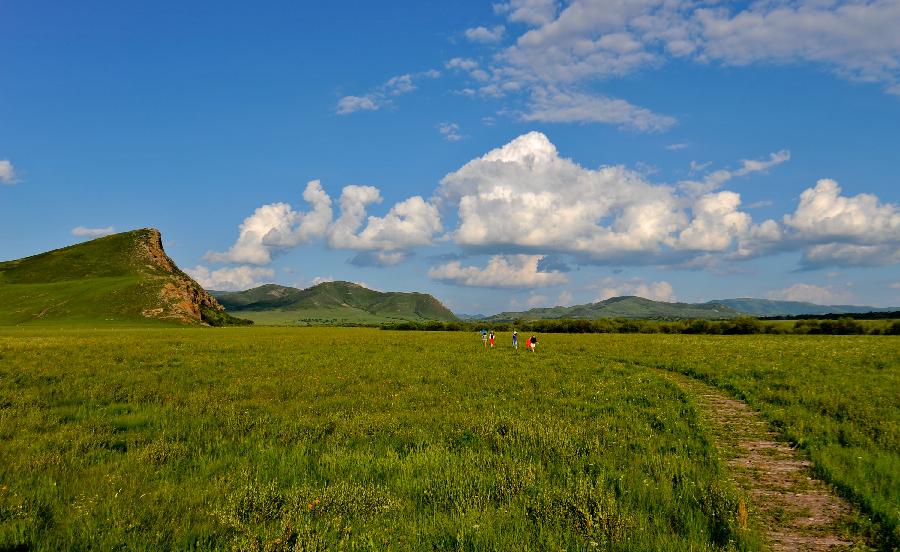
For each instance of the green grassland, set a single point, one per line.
(321, 316)
(355, 438)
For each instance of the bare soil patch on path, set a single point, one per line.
(792, 509)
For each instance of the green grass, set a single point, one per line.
(96, 301)
(838, 397)
(185, 438)
(191, 438)
(318, 317)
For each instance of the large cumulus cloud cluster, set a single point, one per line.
(529, 209)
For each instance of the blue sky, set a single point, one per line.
(498, 155)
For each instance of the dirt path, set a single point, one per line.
(792, 510)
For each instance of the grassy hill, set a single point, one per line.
(769, 307)
(335, 302)
(624, 307)
(122, 278)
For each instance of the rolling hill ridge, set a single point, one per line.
(122, 278)
(331, 302)
(623, 307)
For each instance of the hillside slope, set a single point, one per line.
(122, 278)
(623, 307)
(331, 302)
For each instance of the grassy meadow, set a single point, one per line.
(361, 439)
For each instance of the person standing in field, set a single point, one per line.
(532, 343)
(484, 338)
(491, 338)
(515, 340)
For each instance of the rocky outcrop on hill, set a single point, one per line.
(180, 297)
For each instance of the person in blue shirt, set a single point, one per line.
(515, 340)
(484, 338)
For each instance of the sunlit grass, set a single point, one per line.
(200, 438)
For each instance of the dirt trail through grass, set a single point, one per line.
(793, 510)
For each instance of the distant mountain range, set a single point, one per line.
(331, 302)
(769, 307)
(623, 307)
(123, 278)
(640, 308)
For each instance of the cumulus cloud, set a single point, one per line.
(501, 271)
(278, 226)
(7, 173)
(837, 230)
(656, 291)
(524, 195)
(83, 232)
(230, 279)
(824, 214)
(380, 96)
(483, 34)
(410, 223)
(811, 293)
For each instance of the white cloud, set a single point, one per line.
(380, 96)
(824, 214)
(524, 195)
(716, 223)
(591, 38)
(82, 232)
(410, 223)
(656, 291)
(483, 34)
(230, 279)
(277, 226)
(811, 293)
(7, 173)
(352, 104)
(558, 106)
(676, 147)
(501, 271)
(567, 48)
(565, 298)
(837, 230)
(532, 12)
(895, 285)
(321, 280)
(848, 254)
(450, 132)
(464, 64)
(714, 180)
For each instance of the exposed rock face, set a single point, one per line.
(180, 297)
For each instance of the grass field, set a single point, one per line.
(322, 438)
